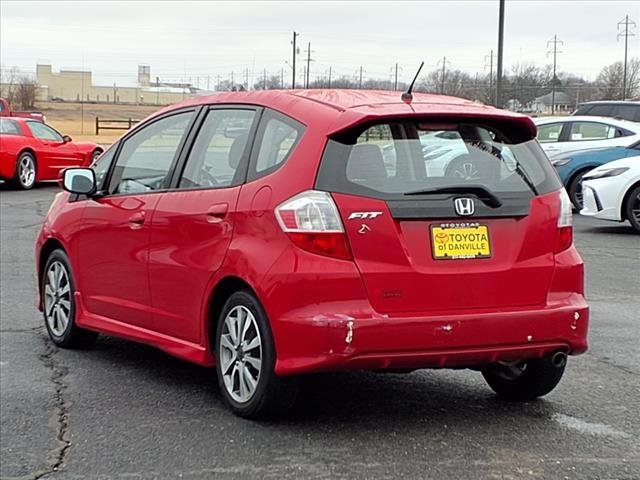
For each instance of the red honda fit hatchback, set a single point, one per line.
(278, 233)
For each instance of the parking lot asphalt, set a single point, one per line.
(123, 410)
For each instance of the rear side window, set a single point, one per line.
(627, 112)
(9, 127)
(218, 150)
(549, 133)
(591, 131)
(424, 156)
(146, 157)
(277, 137)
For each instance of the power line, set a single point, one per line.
(554, 81)
(626, 33)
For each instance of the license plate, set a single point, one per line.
(460, 241)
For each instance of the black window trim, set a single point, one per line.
(196, 110)
(268, 114)
(240, 176)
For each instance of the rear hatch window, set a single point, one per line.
(443, 214)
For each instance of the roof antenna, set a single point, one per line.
(408, 96)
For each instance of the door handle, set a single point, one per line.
(217, 212)
(137, 219)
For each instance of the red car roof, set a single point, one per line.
(341, 109)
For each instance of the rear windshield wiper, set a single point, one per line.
(483, 193)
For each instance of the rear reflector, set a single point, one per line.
(313, 223)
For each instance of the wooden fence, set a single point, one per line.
(114, 124)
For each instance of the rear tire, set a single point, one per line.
(632, 208)
(95, 155)
(26, 171)
(59, 308)
(527, 381)
(245, 361)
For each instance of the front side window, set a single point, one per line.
(549, 133)
(591, 131)
(146, 157)
(9, 127)
(427, 157)
(600, 111)
(219, 148)
(44, 132)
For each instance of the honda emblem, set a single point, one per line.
(464, 206)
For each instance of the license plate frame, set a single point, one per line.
(475, 245)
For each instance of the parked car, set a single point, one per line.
(558, 135)
(623, 110)
(572, 166)
(31, 151)
(612, 192)
(289, 249)
(5, 111)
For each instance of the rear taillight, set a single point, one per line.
(313, 223)
(564, 237)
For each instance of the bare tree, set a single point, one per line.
(610, 80)
(9, 83)
(26, 92)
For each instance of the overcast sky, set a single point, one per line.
(200, 39)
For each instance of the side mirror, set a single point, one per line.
(67, 139)
(79, 180)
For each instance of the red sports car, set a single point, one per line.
(31, 151)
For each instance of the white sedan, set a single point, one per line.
(559, 135)
(612, 191)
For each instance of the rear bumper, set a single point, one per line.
(438, 341)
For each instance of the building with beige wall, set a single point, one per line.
(76, 85)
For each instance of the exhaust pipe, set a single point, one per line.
(558, 359)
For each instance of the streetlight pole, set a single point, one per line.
(293, 63)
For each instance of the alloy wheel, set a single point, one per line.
(57, 298)
(27, 171)
(240, 354)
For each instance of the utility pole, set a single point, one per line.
(395, 81)
(500, 54)
(360, 81)
(208, 83)
(329, 76)
(555, 42)
(232, 82)
(293, 64)
(218, 82)
(282, 78)
(246, 78)
(444, 66)
(626, 33)
(264, 79)
(490, 74)
(308, 64)
(158, 90)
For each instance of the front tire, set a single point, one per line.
(245, 361)
(526, 381)
(575, 191)
(26, 171)
(59, 307)
(632, 208)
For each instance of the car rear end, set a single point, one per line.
(464, 262)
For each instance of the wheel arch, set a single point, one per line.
(31, 151)
(48, 247)
(623, 210)
(225, 287)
